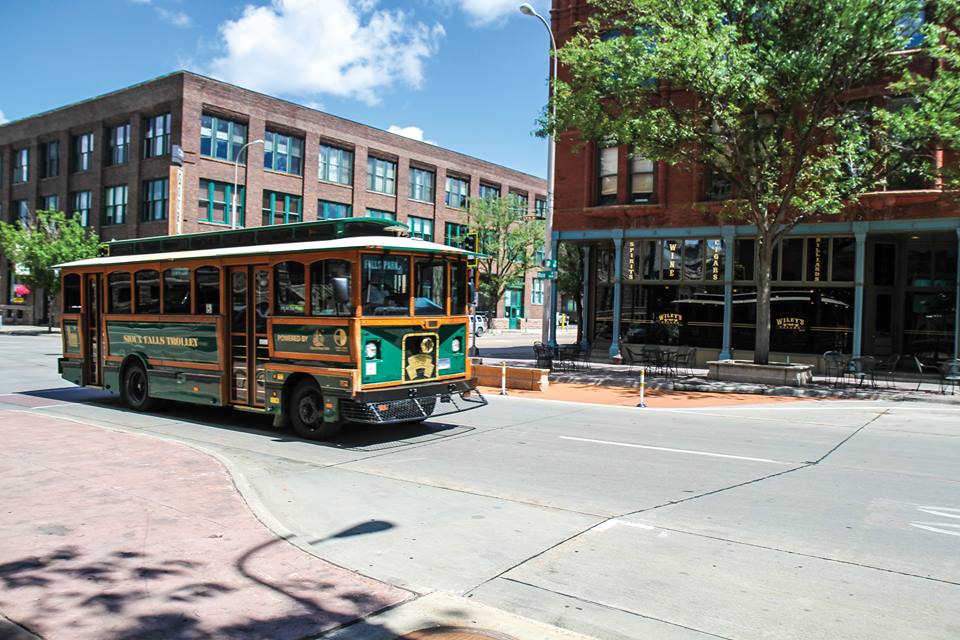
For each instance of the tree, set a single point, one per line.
(508, 241)
(35, 247)
(570, 280)
(762, 95)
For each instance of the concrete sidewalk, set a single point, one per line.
(113, 535)
(26, 329)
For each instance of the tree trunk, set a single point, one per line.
(761, 349)
(580, 319)
(49, 314)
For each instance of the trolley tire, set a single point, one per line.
(306, 413)
(135, 388)
(478, 332)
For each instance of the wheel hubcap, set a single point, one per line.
(309, 410)
(136, 388)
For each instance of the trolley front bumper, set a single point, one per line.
(411, 404)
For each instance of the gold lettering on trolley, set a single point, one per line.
(163, 341)
(289, 337)
(420, 361)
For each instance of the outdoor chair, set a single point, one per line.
(686, 359)
(860, 368)
(949, 375)
(835, 364)
(922, 368)
(652, 358)
(584, 356)
(632, 354)
(543, 356)
(886, 369)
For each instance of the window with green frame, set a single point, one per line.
(221, 138)
(50, 203)
(215, 202)
(519, 203)
(455, 233)
(420, 228)
(536, 293)
(381, 175)
(281, 208)
(540, 208)
(156, 136)
(327, 210)
(422, 184)
(118, 143)
(336, 165)
(489, 191)
(282, 153)
(154, 200)
(458, 190)
(115, 205)
(80, 203)
(383, 215)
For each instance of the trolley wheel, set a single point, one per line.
(306, 413)
(478, 332)
(135, 390)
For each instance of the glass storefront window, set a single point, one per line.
(693, 259)
(744, 257)
(929, 324)
(672, 315)
(817, 259)
(791, 262)
(716, 257)
(843, 257)
(671, 259)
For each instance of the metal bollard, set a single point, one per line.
(643, 385)
(503, 378)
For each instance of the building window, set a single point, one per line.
(115, 205)
(156, 136)
(281, 208)
(283, 153)
(50, 162)
(336, 165)
(519, 204)
(21, 165)
(216, 200)
(607, 168)
(222, 138)
(327, 210)
(21, 211)
(540, 208)
(489, 191)
(119, 144)
(421, 228)
(154, 200)
(536, 293)
(80, 206)
(83, 152)
(381, 175)
(455, 233)
(383, 215)
(422, 184)
(50, 203)
(458, 190)
(716, 186)
(641, 180)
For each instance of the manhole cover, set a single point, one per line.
(454, 633)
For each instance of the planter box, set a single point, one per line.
(517, 377)
(778, 373)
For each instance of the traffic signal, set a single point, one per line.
(470, 244)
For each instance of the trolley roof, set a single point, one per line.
(382, 243)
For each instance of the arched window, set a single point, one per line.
(119, 289)
(208, 290)
(323, 300)
(176, 290)
(71, 293)
(288, 287)
(148, 291)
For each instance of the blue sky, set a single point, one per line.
(468, 75)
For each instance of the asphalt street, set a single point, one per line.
(807, 520)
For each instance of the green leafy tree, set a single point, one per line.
(570, 279)
(508, 241)
(764, 96)
(35, 247)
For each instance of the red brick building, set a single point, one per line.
(663, 268)
(158, 157)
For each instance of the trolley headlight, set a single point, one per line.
(371, 350)
(455, 345)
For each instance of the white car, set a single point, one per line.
(478, 325)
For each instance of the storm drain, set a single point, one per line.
(454, 633)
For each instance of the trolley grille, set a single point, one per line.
(409, 409)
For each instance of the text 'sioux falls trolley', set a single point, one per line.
(315, 323)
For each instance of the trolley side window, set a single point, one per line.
(288, 285)
(119, 292)
(208, 290)
(458, 288)
(324, 278)
(71, 293)
(176, 290)
(148, 291)
(386, 285)
(430, 298)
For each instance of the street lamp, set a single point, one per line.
(549, 332)
(236, 177)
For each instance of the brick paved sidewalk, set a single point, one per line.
(107, 535)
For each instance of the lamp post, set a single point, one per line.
(236, 177)
(549, 331)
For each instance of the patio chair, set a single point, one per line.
(652, 358)
(886, 369)
(584, 356)
(949, 375)
(860, 368)
(685, 360)
(835, 364)
(922, 368)
(632, 354)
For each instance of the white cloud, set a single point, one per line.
(486, 12)
(3, 118)
(176, 18)
(414, 133)
(346, 48)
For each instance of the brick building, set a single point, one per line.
(115, 161)
(663, 268)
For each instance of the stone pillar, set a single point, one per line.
(617, 291)
(726, 349)
(585, 329)
(860, 233)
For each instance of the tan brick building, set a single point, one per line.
(114, 160)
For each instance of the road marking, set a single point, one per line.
(670, 450)
(946, 512)
(613, 522)
(929, 526)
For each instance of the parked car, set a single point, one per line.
(478, 325)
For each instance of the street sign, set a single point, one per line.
(547, 275)
(548, 264)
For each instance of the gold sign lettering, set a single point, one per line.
(289, 337)
(163, 341)
(671, 319)
(791, 324)
(631, 254)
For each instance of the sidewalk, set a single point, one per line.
(25, 329)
